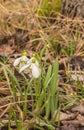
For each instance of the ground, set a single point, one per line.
(56, 99)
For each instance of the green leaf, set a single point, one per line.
(13, 77)
(53, 86)
(48, 76)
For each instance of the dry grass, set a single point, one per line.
(21, 18)
(21, 24)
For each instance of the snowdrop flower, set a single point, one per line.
(33, 65)
(21, 61)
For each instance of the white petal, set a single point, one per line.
(36, 63)
(17, 61)
(35, 70)
(24, 58)
(24, 67)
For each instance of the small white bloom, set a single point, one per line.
(25, 66)
(33, 65)
(35, 70)
(21, 61)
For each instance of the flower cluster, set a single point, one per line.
(24, 63)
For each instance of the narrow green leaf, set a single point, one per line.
(12, 75)
(48, 76)
(55, 77)
(48, 107)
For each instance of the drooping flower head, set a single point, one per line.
(34, 66)
(21, 61)
(25, 63)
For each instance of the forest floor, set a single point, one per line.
(23, 27)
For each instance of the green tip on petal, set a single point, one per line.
(47, 46)
(35, 54)
(24, 53)
(33, 60)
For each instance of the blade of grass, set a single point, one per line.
(54, 78)
(12, 75)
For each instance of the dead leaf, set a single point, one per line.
(6, 50)
(74, 122)
(69, 116)
(77, 77)
(80, 117)
(78, 108)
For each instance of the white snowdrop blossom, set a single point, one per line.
(21, 61)
(34, 66)
(25, 63)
